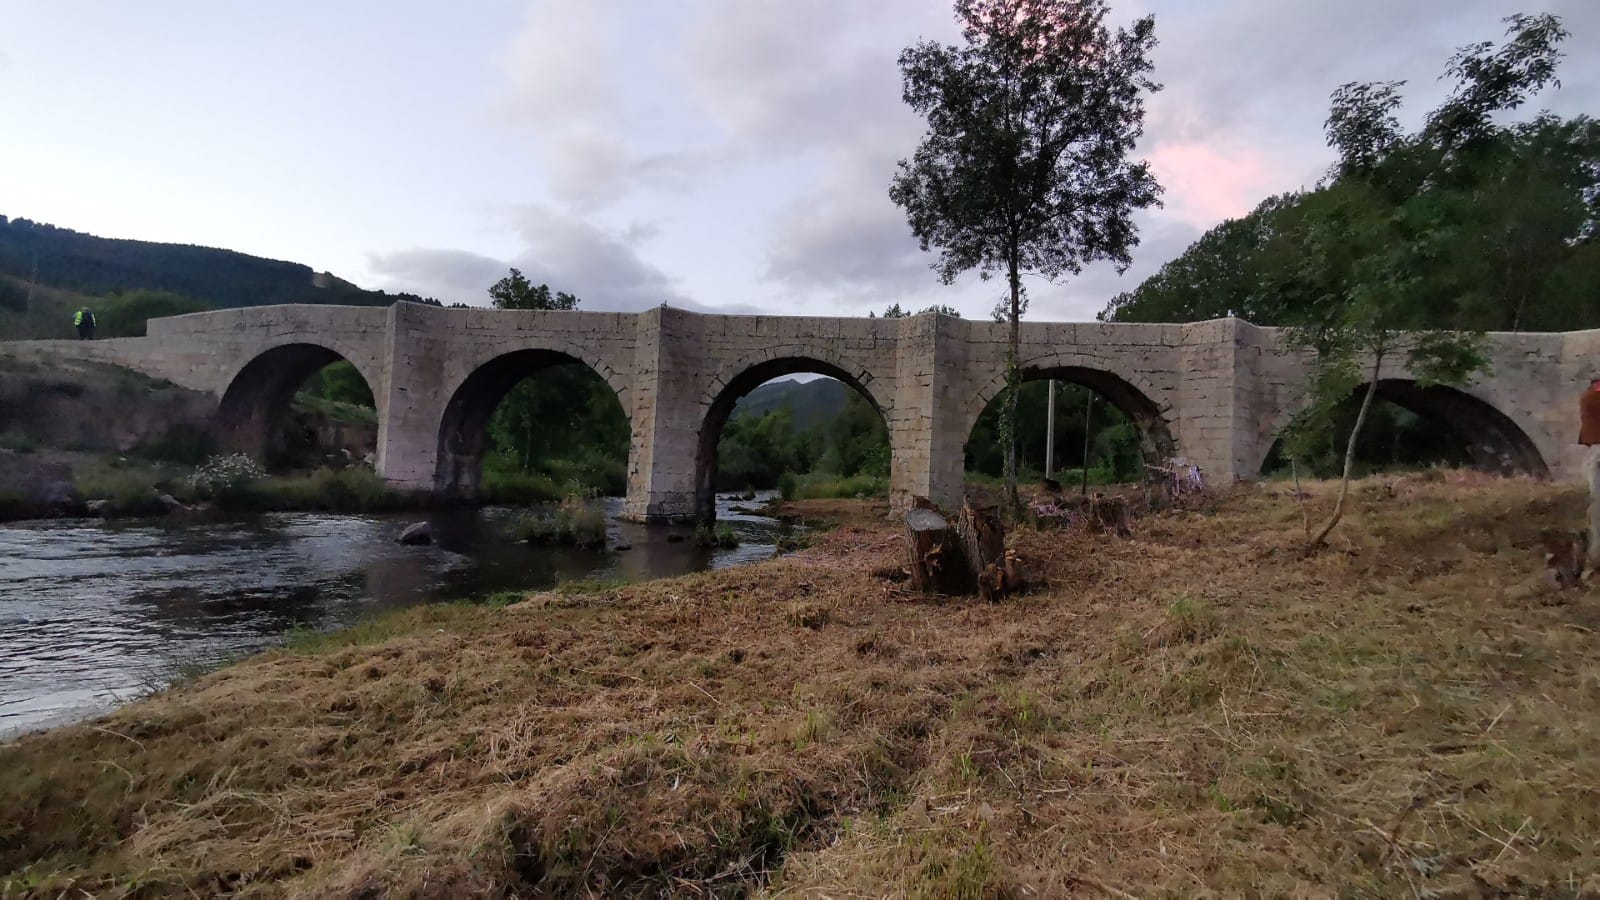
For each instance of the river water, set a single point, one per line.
(93, 614)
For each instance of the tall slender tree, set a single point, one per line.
(1025, 169)
(1360, 251)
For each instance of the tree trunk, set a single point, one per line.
(1013, 383)
(937, 561)
(983, 541)
(1350, 453)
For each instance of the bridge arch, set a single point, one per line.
(1490, 440)
(1129, 391)
(719, 399)
(255, 404)
(463, 432)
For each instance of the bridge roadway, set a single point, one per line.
(1216, 392)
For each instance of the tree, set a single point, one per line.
(1024, 168)
(126, 314)
(515, 292)
(1359, 252)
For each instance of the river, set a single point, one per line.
(93, 614)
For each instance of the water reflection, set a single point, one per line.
(92, 613)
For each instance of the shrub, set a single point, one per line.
(573, 523)
(821, 487)
(787, 485)
(224, 478)
(512, 488)
(721, 537)
(354, 489)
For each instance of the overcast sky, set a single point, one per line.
(712, 154)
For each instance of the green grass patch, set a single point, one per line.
(722, 537)
(573, 523)
(816, 486)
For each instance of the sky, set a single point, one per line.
(716, 155)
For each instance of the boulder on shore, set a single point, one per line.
(170, 503)
(416, 535)
(98, 507)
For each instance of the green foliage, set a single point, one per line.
(757, 451)
(131, 485)
(96, 266)
(515, 292)
(504, 486)
(339, 382)
(822, 486)
(721, 537)
(225, 478)
(1360, 285)
(564, 424)
(561, 430)
(354, 489)
(125, 314)
(1486, 227)
(894, 311)
(575, 522)
(1115, 444)
(1024, 169)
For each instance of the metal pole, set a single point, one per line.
(1088, 413)
(1050, 432)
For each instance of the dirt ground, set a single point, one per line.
(1201, 709)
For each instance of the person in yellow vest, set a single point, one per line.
(1589, 436)
(83, 320)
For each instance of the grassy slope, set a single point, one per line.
(1198, 709)
(49, 316)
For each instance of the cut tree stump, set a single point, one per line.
(983, 536)
(937, 561)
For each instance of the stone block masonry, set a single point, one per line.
(1217, 392)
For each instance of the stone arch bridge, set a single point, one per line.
(1216, 391)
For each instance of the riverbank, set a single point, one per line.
(1199, 708)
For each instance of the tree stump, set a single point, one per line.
(983, 536)
(937, 561)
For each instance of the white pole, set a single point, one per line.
(1050, 432)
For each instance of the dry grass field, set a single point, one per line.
(1200, 709)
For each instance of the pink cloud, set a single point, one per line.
(1207, 183)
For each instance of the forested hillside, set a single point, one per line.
(47, 272)
(90, 265)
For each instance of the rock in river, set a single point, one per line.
(420, 533)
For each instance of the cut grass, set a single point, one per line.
(1200, 709)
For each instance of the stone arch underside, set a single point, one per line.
(464, 425)
(719, 404)
(1492, 441)
(255, 405)
(1129, 392)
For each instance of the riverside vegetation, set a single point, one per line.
(1408, 713)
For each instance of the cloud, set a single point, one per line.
(784, 120)
(564, 89)
(1207, 183)
(784, 77)
(453, 276)
(567, 252)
